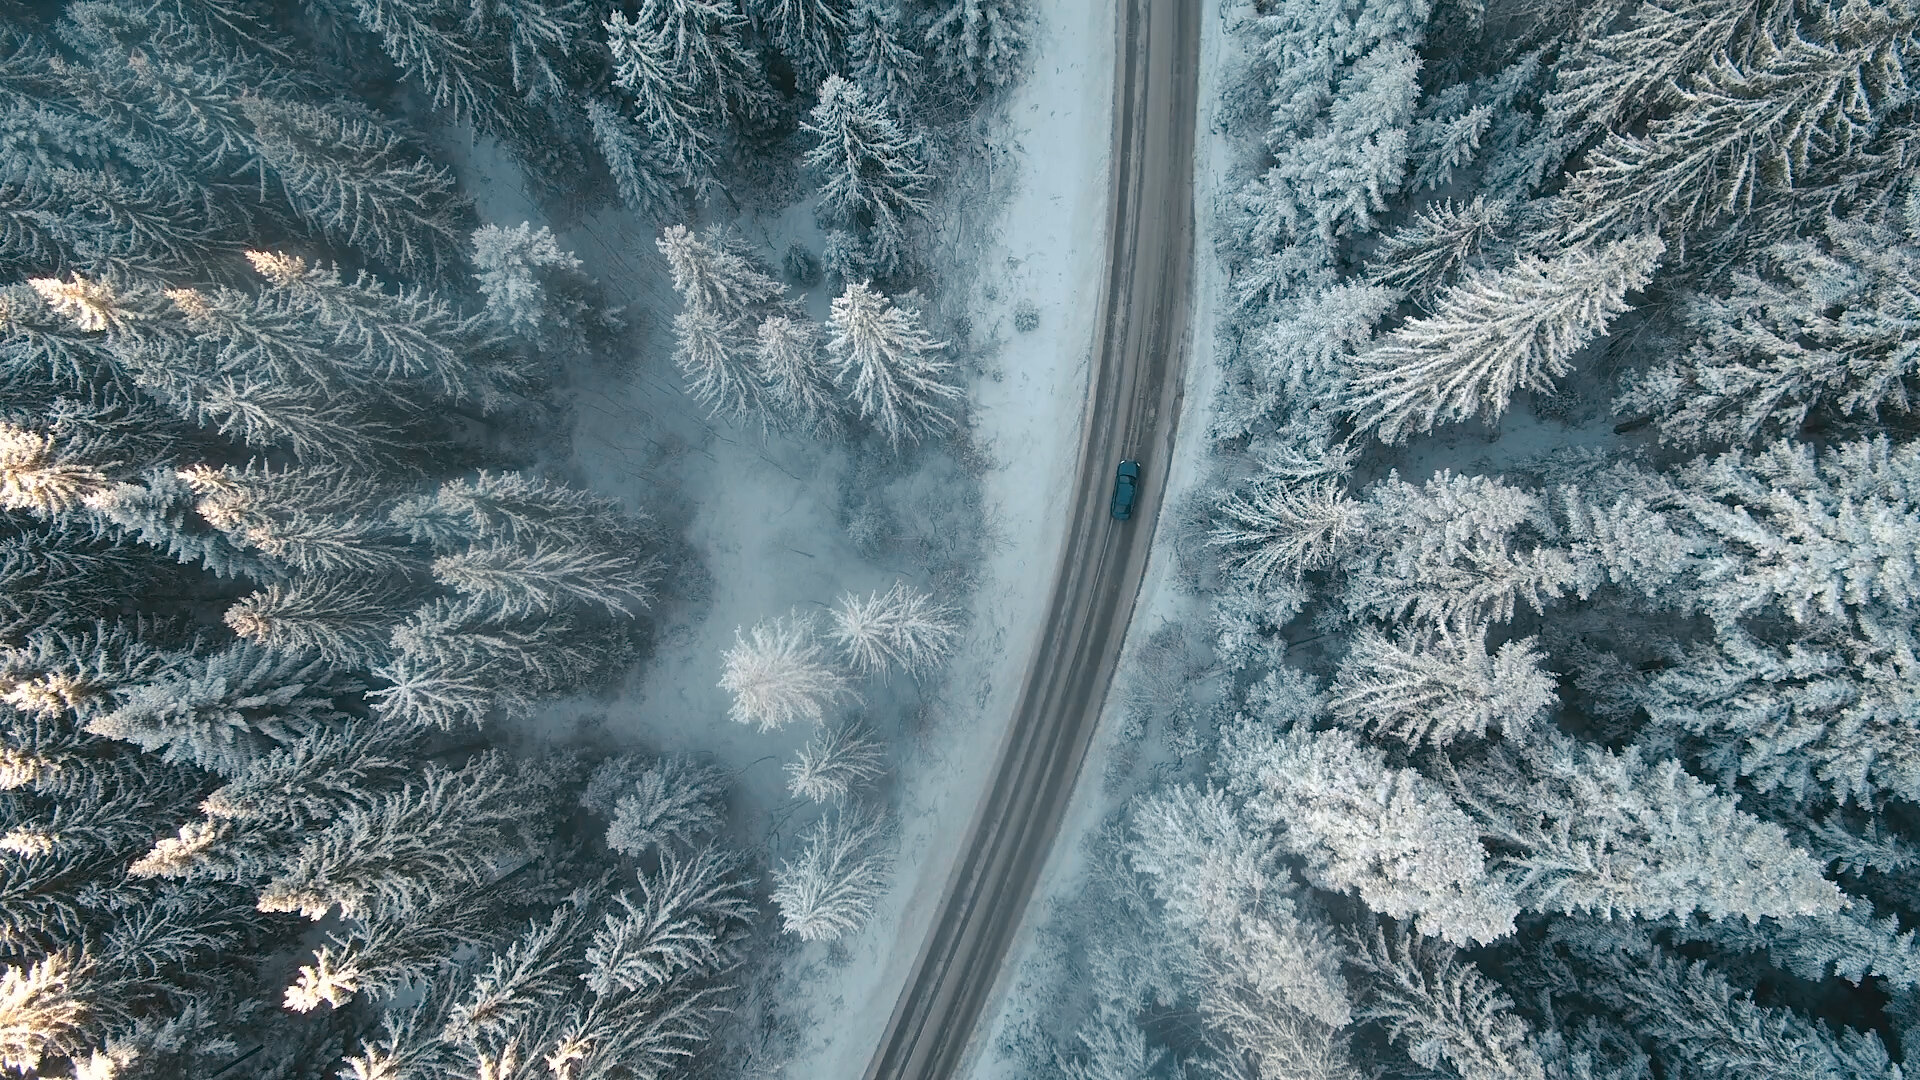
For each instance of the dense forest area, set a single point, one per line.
(1553, 709)
(279, 556)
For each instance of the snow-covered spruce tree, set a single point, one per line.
(1214, 873)
(879, 57)
(794, 372)
(1434, 688)
(514, 265)
(1458, 550)
(836, 762)
(1286, 527)
(901, 627)
(979, 42)
(827, 889)
(873, 172)
(1809, 326)
(1390, 834)
(673, 802)
(1494, 334)
(1427, 253)
(1298, 361)
(716, 271)
(687, 69)
(451, 829)
(890, 366)
(647, 185)
(810, 33)
(340, 621)
(1795, 113)
(778, 673)
(1443, 1008)
(1700, 1023)
(539, 579)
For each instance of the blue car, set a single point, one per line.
(1126, 484)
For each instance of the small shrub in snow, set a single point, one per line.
(777, 674)
(1026, 317)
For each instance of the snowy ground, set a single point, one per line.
(766, 513)
(1117, 764)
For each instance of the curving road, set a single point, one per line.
(1135, 401)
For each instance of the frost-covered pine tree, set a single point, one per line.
(1494, 334)
(979, 42)
(873, 172)
(778, 673)
(1434, 688)
(891, 367)
(901, 627)
(341, 621)
(1437, 245)
(688, 70)
(834, 763)
(674, 801)
(878, 54)
(793, 369)
(647, 184)
(1286, 527)
(513, 265)
(808, 32)
(827, 890)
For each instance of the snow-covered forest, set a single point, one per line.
(1539, 699)
(292, 567)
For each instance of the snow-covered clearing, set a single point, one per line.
(767, 513)
(1117, 765)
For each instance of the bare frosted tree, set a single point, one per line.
(835, 762)
(777, 674)
(902, 626)
(827, 891)
(1493, 334)
(1433, 688)
(891, 367)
